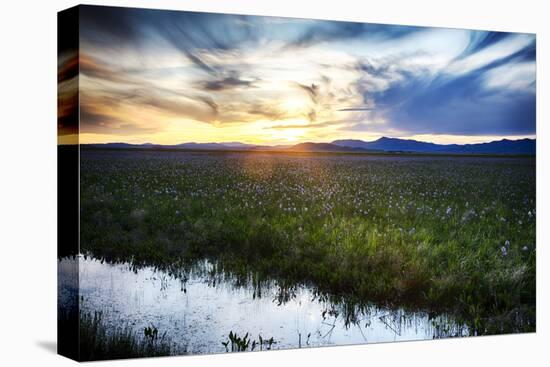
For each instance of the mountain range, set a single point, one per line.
(382, 145)
(504, 146)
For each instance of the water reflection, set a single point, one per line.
(199, 306)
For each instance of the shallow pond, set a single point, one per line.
(199, 314)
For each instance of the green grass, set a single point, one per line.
(442, 234)
(99, 341)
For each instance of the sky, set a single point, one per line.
(168, 77)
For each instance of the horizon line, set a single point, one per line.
(292, 143)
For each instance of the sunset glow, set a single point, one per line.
(168, 78)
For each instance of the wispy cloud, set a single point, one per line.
(332, 31)
(480, 40)
(351, 109)
(222, 84)
(209, 75)
(308, 126)
(459, 104)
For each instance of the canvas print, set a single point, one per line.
(234, 183)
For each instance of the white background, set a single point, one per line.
(28, 181)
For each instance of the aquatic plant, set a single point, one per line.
(236, 343)
(98, 340)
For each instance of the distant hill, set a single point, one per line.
(389, 144)
(504, 146)
(208, 146)
(319, 147)
(190, 146)
(236, 144)
(120, 145)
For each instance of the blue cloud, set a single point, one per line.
(459, 104)
(479, 40)
(327, 31)
(185, 31)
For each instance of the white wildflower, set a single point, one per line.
(504, 251)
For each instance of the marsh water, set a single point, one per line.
(198, 313)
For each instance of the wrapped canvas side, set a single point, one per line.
(68, 183)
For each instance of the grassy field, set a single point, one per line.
(442, 234)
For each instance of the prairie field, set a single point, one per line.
(437, 234)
